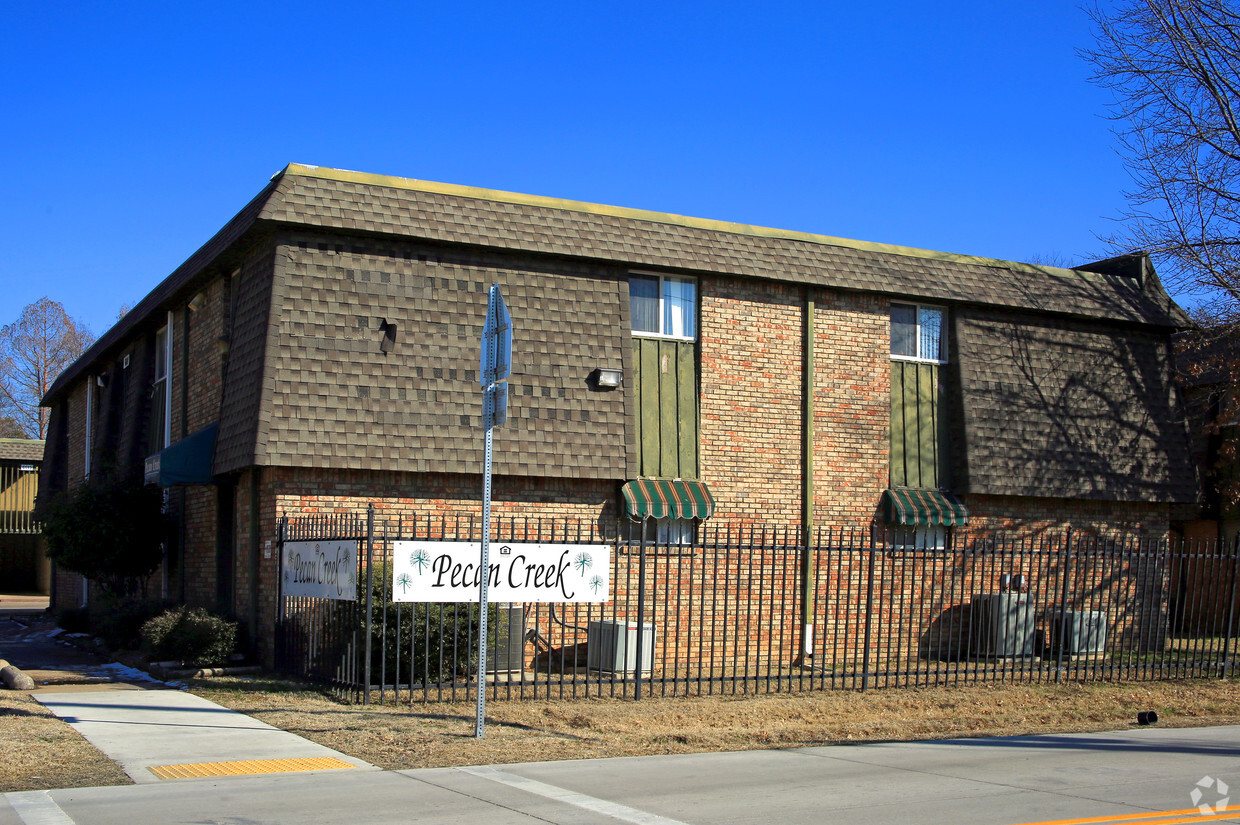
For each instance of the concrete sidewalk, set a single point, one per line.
(162, 734)
(153, 730)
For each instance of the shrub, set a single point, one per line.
(190, 635)
(112, 534)
(432, 643)
(119, 622)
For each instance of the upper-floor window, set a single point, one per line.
(161, 400)
(663, 305)
(917, 333)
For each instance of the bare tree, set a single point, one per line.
(34, 349)
(1174, 69)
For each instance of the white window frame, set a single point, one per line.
(697, 315)
(665, 532)
(166, 413)
(943, 354)
(921, 538)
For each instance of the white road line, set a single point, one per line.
(37, 808)
(589, 803)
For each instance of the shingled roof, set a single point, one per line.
(376, 205)
(21, 449)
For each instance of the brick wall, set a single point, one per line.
(751, 417)
(852, 407)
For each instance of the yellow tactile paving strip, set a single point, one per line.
(252, 766)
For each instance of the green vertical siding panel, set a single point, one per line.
(669, 449)
(912, 427)
(942, 432)
(687, 409)
(927, 431)
(918, 426)
(665, 391)
(899, 478)
(648, 409)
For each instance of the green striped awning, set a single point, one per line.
(667, 498)
(912, 507)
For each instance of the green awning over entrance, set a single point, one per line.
(912, 507)
(667, 498)
(189, 460)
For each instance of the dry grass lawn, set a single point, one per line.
(42, 752)
(438, 735)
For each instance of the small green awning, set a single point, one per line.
(189, 460)
(667, 498)
(913, 507)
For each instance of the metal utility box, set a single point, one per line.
(1079, 632)
(612, 646)
(1002, 625)
(506, 651)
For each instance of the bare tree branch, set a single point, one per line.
(34, 349)
(1173, 67)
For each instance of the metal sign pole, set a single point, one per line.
(495, 365)
(488, 405)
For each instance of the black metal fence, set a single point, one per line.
(749, 610)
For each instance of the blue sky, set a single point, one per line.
(132, 132)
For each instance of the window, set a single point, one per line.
(664, 306)
(920, 538)
(665, 532)
(917, 333)
(161, 400)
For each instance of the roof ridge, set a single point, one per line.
(502, 196)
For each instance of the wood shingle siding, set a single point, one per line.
(1064, 409)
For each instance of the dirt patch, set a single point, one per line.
(40, 752)
(421, 735)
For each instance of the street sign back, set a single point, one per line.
(496, 361)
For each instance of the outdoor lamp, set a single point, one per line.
(608, 378)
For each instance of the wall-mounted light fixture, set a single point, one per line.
(606, 378)
(195, 302)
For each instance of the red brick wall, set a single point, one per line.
(852, 407)
(750, 376)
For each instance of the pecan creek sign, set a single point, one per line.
(450, 571)
(323, 569)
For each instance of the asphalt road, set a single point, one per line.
(1143, 776)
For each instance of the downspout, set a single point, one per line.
(807, 483)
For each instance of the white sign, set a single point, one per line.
(322, 569)
(449, 571)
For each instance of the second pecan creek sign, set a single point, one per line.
(450, 571)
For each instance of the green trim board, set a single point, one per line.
(667, 498)
(911, 507)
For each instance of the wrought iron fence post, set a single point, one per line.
(370, 598)
(869, 616)
(641, 612)
(1231, 607)
(282, 644)
(1064, 568)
